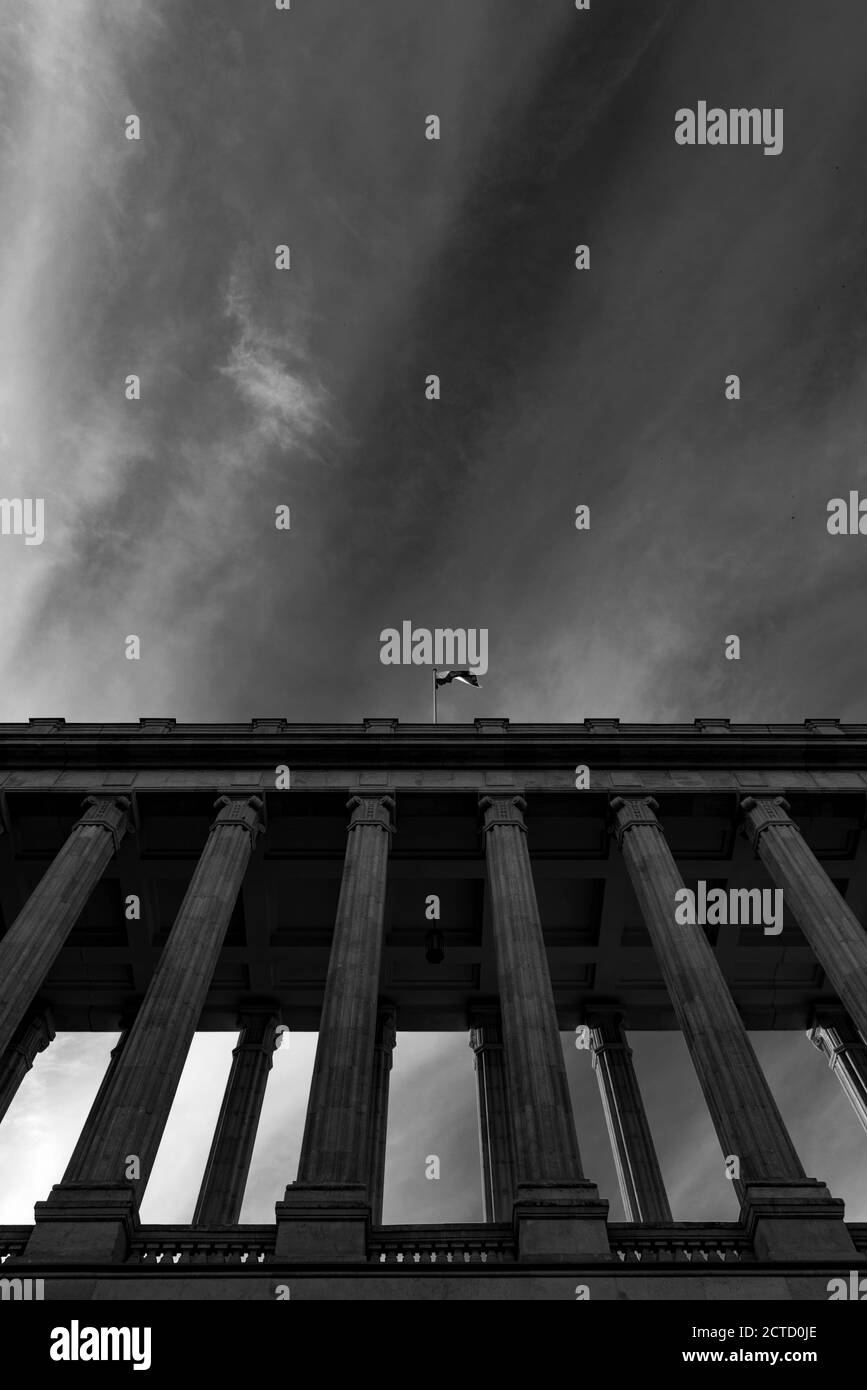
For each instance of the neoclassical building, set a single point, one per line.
(364, 880)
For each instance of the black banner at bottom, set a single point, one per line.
(222, 1338)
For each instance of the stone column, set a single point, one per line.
(36, 937)
(638, 1171)
(74, 1171)
(835, 1035)
(836, 937)
(557, 1212)
(33, 1036)
(496, 1143)
(222, 1192)
(788, 1215)
(325, 1213)
(93, 1217)
(386, 1036)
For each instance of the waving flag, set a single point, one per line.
(464, 675)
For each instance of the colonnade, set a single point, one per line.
(531, 1163)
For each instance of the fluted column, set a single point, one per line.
(548, 1162)
(222, 1191)
(383, 1049)
(36, 937)
(138, 1100)
(772, 1183)
(836, 1036)
(638, 1171)
(33, 1036)
(836, 937)
(333, 1167)
(496, 1144)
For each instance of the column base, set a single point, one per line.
(323, 1223)
(560, 1223)
(83, 1223)
(796, 1221)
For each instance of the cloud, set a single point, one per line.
(271, 369)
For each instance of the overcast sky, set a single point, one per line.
(262, 387)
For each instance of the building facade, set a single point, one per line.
(513, 881)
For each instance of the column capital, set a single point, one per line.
(606, 1024)
(631, 812)
(126, 1016)
(834, 1016)
(111, 812)
(598, 1013)
(371, 808)
(486, 1028)
(833, 1033)
(254, 1012)
(34, 1034)
(258, 1030)
(241, 810)
(503, 809)
(760, 813)
(818, 1036)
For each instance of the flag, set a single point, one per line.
(464, 675)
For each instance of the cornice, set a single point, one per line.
(487, 743)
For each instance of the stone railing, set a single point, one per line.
(683, 1242)
(186, 1245)
(413, 1246)
(13, 1240)
(687, 1243)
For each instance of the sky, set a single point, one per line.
(305, 388)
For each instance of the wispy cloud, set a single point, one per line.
(272, 369)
